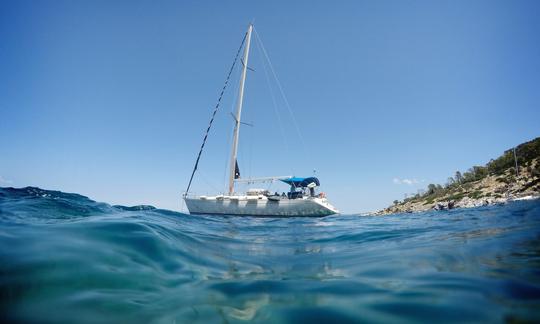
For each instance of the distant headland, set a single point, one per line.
(514, 175)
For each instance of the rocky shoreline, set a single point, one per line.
(490, 189)
(464, 203)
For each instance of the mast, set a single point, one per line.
(234, 151)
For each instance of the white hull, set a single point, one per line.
(259, 206)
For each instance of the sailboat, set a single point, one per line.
(302, 198)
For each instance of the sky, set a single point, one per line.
(111, 99)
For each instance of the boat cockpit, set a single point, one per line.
(302, 187)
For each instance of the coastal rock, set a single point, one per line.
(444, 205)
(439, 206)
(492, 187)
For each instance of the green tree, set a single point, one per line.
(479, 172)
(459, 177)
(431, 188)
(450, 182)
(468, 176)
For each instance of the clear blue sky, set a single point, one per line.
(110, 99)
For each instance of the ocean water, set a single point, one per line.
(67, 259)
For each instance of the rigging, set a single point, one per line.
(214, 113)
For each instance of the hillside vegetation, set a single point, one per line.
(496, 182)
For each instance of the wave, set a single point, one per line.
(67, 258)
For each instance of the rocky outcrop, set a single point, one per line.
(491, 190)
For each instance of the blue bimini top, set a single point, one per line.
(301, 182)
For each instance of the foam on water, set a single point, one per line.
(66, 258)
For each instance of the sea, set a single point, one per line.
(65, 258)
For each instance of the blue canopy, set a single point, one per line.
(301, 182)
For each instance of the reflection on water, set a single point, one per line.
(65, 258)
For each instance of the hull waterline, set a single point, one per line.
(261, 207)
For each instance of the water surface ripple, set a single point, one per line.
(65, 258)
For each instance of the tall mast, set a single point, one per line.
(239, 112)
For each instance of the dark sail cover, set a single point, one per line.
(236, 171)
